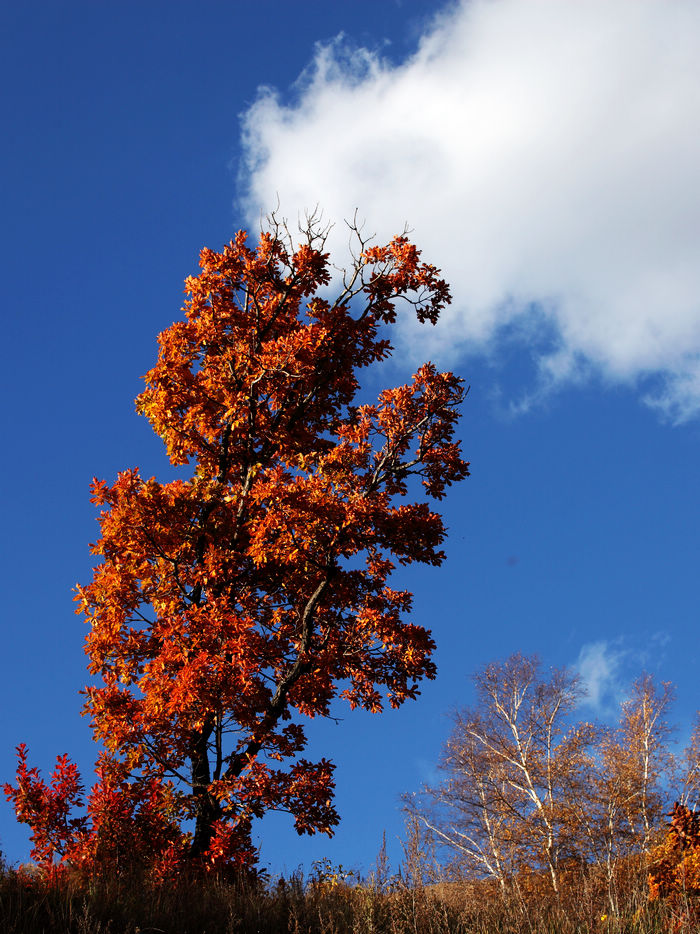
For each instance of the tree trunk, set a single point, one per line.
(208, 810)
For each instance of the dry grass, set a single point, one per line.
(324, 904)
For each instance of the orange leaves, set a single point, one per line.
(246, 325)
(235, 602)
(675, 864)
(398, 273)
(419, 418)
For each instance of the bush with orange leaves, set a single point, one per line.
(675, 864)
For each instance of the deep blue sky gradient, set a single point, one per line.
(120, 160)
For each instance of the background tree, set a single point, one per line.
(515, 773)
(639, 759)
(470, 811)
(628, 788)
(528, 788)
(231, 604)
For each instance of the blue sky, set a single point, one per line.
(546, 157)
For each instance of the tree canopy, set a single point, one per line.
(230, 605)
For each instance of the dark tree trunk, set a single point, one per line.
(207, 808)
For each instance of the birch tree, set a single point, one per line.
(515, 773)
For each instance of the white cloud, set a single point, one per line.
(608, 668)
(599, 665)
(546, 154)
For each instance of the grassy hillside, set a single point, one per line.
(328, 904)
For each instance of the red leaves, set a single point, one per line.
(47, 808)
(128, 826)
(230, 604)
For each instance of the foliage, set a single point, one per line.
(231, 604)
(530, 793)
(513, 773)
(674, 874)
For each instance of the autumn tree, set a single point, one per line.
(529, 788)
(514, 773)
(628, 784)
(469, 811)
(234, 602)
(635, 767)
